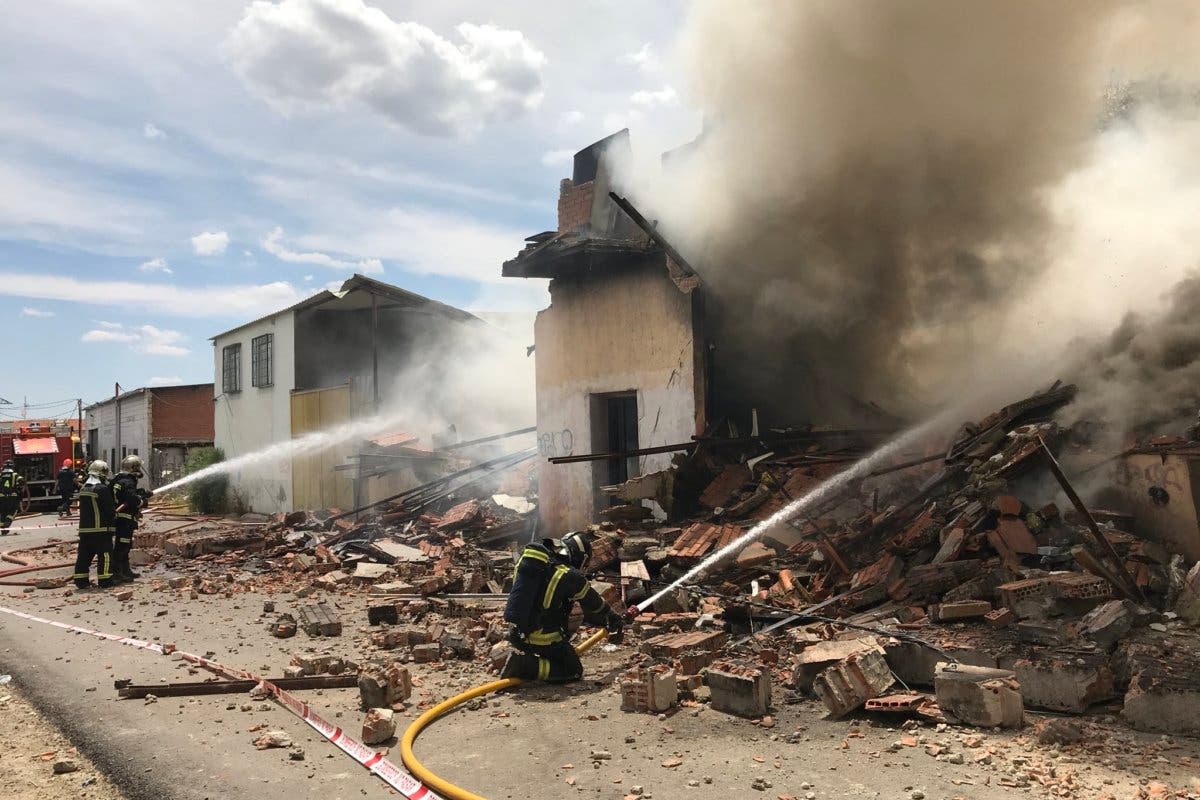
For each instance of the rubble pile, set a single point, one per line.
(965, 566)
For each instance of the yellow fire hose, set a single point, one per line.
(419, 770)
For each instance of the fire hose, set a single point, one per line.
(440, 785)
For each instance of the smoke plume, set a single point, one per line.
(879, 189)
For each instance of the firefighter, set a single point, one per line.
(66, 487)
(12, 486)
(96, 518)
(128, 504)
(547, 584)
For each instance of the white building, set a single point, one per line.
(328, 359)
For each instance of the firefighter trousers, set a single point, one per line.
(97, 547)
(556, 663)
(121, 548)
(9, 505)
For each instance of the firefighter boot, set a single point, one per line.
(520, 665)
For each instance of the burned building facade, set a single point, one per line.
(634, 353)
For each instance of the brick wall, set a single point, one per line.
(574, 205)
(182, 413)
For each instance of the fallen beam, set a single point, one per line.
(132, 692)
(1109, 559)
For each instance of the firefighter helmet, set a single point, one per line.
(575, 548)
(98, 469)
(68, 464)
(132, 465)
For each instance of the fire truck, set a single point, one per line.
(38, 448)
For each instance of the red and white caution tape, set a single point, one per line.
(66, 524)
(392, 775)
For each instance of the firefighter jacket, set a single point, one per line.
(126, 500)
(66, 481)
(96, 508)
(544, 591)
(10, 483)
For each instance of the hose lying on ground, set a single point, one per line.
(26, 566)
(440, 785)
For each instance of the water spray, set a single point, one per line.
(308, 443)
(860, 469)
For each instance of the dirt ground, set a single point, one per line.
(30, 745)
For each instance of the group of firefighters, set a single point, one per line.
(109, 510)
(548, 582)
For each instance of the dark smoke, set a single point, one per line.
(871, 189)
(1146, 378)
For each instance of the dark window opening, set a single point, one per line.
(231, 368)
(260, 360)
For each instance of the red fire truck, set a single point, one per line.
(38, 448)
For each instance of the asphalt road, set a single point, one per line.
(186, 748)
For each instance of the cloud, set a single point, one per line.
(210, 244)
(144, 339)
(273, 244)
(300, 54)
(644, 59)
(572, 117)
(190, 301)
(152, 131)
(416, 239)
(552, 158)
(155, 265)
(665, 96)
(160, 380)
(27, 311)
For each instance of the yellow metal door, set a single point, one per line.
(315, 482)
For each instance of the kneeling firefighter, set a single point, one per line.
(547, 584)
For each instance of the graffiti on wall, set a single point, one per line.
(553, 444)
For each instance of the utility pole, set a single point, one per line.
(79, 429)
(117, 448)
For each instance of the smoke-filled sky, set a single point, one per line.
(915, 198)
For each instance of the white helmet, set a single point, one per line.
(98, 469)
(132, 465)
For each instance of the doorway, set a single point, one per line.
(614, 430)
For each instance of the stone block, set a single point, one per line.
(739, 688)
(1109, 623)
(853, 681)
(378, 726)
(1065, 684)
(822, 655)
(1188, 604)
(649, 690)
(1000, 618)
(426, 653)
(982, 696)
(382, 686)
(965, 609)
(915, 664)
(458, 644)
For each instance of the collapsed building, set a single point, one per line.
(634, 356)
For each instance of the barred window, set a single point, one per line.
(231, 368)
(260, 360)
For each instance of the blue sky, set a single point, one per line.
(174, 168)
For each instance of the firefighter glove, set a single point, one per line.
(616, 627)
